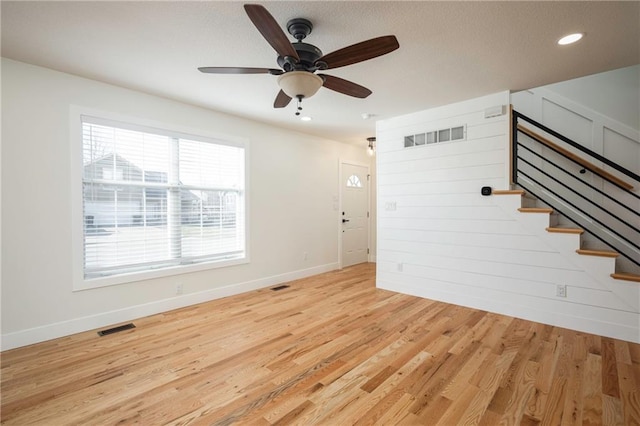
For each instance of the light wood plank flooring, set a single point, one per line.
(328, 350)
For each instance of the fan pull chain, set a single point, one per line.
(299, 105)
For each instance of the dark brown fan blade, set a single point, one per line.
(239, 70)
(282, 100)
(362, 51)
(270, 30)
(345, 86)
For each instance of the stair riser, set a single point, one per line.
(536, 221)
(565, 243)
(600, 266)
(508, 203)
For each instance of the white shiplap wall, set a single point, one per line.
(439, 238)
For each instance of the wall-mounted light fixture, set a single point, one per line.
(371, 148)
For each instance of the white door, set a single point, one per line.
(354, 215)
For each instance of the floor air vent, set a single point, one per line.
(280, 287)
(116, 329)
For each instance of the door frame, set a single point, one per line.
(340, 203)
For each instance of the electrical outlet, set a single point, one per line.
(400, 267)
(305, 256)
(179, 289)
(561, 290)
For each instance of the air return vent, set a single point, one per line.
(116, 329)
(280, 287)
(450, 134)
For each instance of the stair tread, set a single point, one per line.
(508, 192)
(535, 210)
(602, 253)
(565, 230)
(626, 276)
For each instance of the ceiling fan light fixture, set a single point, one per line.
(300, 83)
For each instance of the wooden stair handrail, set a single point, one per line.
(584, 163)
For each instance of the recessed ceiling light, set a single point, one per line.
(571, 38)
(305, 118)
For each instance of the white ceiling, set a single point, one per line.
(449, 51)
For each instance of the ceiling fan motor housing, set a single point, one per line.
(308, 54)
(300, 28)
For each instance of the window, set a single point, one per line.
(155, 199)
(432, 137)
(354, 182)
(443, 135)
(457, 133)
(408, 141)
(435, 136)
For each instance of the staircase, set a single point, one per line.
(590, 245)
(603, 261)
(578, 196)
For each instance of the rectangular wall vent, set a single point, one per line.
(495, 111)
(451, 134)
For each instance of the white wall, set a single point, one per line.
(604, 130)
(293, 178)
(615, 94)
(445, 241)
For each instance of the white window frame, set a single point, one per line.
(79, 282)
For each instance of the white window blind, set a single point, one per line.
(156, 199)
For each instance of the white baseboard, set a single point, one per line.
(521, 307)
(78, 325)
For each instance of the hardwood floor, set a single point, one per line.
(329, 350)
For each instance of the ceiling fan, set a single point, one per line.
(299, 61)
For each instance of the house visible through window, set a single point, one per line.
(156, 199)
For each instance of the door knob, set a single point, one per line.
(345, 220)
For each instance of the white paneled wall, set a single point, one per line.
(605, 136)
(439, 238)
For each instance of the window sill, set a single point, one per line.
(82, 284)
